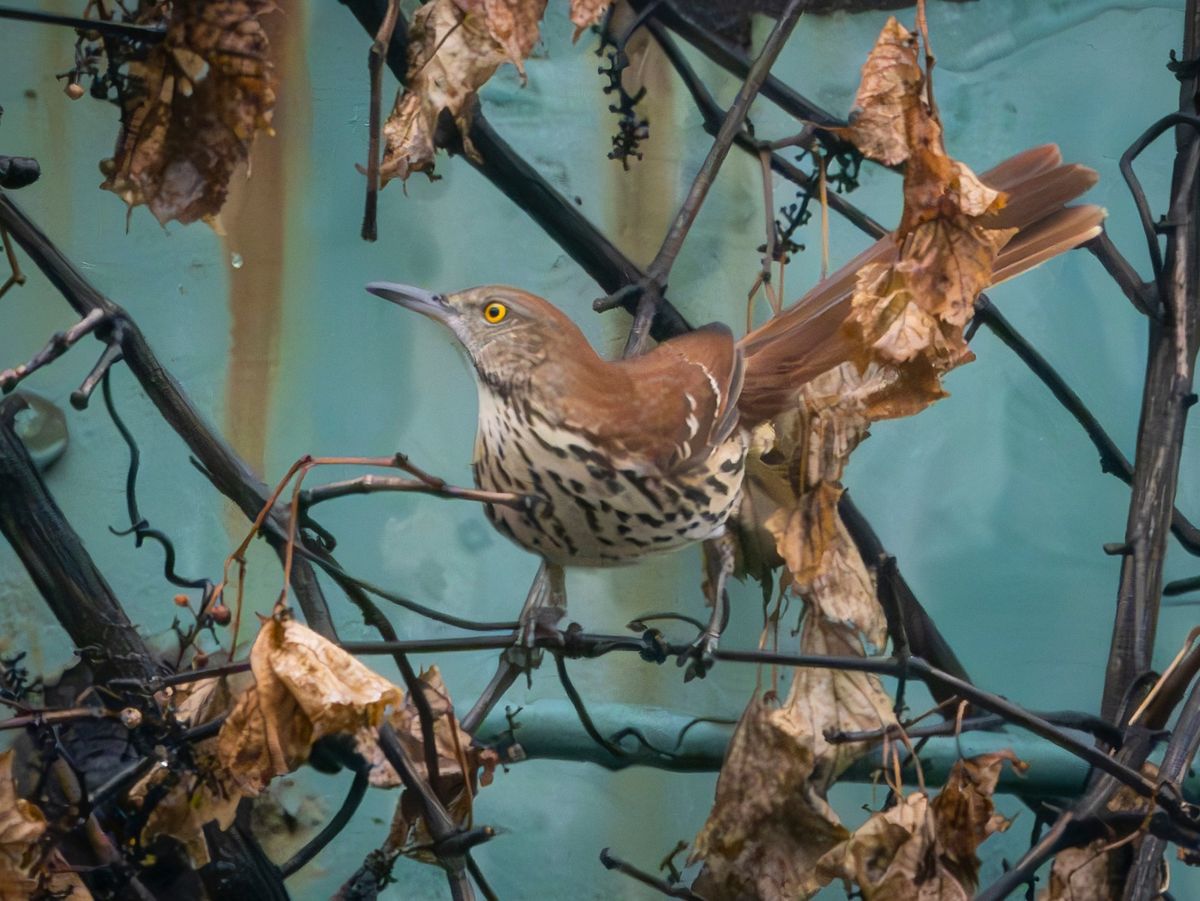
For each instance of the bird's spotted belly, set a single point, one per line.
(592, 510)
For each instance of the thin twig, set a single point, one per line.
(581, 709)
(612, 862)
(712, 114)
(1140, 293)
(371, 484)
(729, 57)
(150, 34)
(228, 472)
(660, 268)
(376, 59)
(15, 275)
(441, 825)
(58, 345)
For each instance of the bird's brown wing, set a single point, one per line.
(807, 339)
(666, 409)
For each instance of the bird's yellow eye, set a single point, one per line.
(495, 312)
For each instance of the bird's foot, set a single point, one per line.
(537, 624)
(699, 656)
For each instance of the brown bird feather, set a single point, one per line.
(807, 338)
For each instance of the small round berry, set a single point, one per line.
(181, 600)
(131, 717)
(220, 614)
(74, 90)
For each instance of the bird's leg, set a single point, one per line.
(545, 605)
(719, 560)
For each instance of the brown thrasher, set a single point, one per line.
(637, 456)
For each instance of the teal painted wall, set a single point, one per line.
(991, 500)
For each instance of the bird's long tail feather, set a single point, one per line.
(808, 338)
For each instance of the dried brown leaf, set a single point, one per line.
(513, 24)
(26, 869)
(770, 821)
(894, 857)
(185, 801)
(891, 79)
(585, 13)
(965, 813)
(1090, 873)
(911, 312)
(947, 261)
(451, 54)
(894, 326)
(305, 688)
(458, 767)
(22, 824)
(804, 533)
(191, 108)
(769, 824)
(922, 849)
(1098, 870)
(830, 700)
(971, 195)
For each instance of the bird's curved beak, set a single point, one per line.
(417, 299)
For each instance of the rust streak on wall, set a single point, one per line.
(255, 221)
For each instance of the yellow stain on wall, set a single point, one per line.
(255, 222)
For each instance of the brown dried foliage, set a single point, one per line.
(912, 312)
(28, 869)
(771, 833)
(454, 47)
(923, 849)
(190, 108)
(305, 688)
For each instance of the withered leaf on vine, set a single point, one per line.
(585, 13)
(911, 311)
(924, 849)
(305, 688)
(1097, 871)
(454, 47)
(462, 768)
(191, 107)
(26, 868)
(769, 825)
(183, 799)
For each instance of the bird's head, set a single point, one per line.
(505, 331)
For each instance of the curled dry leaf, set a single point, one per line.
(184, 799)
(965, 813)
(513, 24)
(908, 317)
(585, 13)
(1098, 870)
(458, 766)
(769, 824)
(21, 825)
(894, 856)
(26, 869)
(770, 821)
(806, 531)
(890, 78)
(191, 107)
(911, 312)
(454, 47)
(305, 688)
(922, 849)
